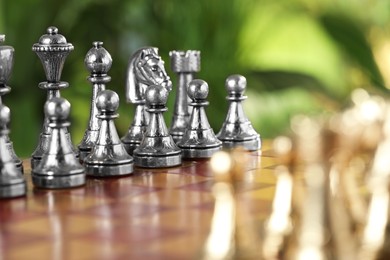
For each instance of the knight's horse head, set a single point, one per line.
(145, 68)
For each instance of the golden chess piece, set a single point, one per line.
(232, 235)
(309, 238)
(278, 226)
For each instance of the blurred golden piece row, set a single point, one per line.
(332, 191)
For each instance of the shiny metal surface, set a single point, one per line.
(185, 64)
(157, 148)
(6, 65)
(52, 49)
(237, 130)
(12, 183)
(108, 156)
(59, 168)
(98, 62)
(7, 62)
(145, 68)
(199, 140)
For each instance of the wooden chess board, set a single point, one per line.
(152, 214)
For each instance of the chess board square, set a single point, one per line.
(266, 193)
(115, 188)
(41, 248)
(187, 219)
(69, 249)
(11, 239)
(253, 164)
(241, 186)
(63, 201)
(199, 168)
(266, 162)
(176, 198)
(253, 209)
(204, 186)
(56, 225)
(14, 210)
(265, 176)
(124, 210)
(82, 249)
(268, 153)
(130, 235)
(165, 180)
(180, 247)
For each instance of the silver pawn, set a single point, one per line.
(98, 62)
(185, 64)
(59, 168)
(52, 49)
(108, 157)
(157, 148)
(199, 140)
(12, 183)
(237, 130)
(6, 65)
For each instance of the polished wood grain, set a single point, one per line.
(152, 214)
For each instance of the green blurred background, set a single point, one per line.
(299, 56)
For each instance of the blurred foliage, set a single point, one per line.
(299, 56)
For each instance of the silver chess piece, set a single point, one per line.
(59, 168)
(199, 140)
(185, 64)
(6, 65)
(12, 183)
(237, 130)
(145, 68)
(52, 49)
(98, 62)
(157, 148)
(108, 157)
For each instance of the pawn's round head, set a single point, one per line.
(57, 108)
(5, 115)
(98, 60)
(235, 84)
(198, 89)
(107, 101)
(156, 95)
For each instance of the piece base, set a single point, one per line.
(249, 145)
(13, 191)
(200, 152)
(58, 181)
(104, 170)
(157, 161)
(35, 160)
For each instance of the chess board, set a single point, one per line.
(152, 214)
